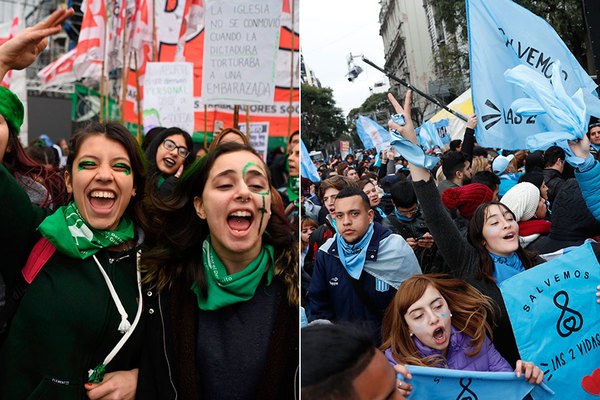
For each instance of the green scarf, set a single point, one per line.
(70, 234)
(293, 189)
(223, 290)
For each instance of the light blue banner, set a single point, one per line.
(307, 168)
(502, 35)
(450, 384)
(556, 321)
(372, 134)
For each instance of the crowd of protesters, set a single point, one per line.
(166, 275)
(479, 217)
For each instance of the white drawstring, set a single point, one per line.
(124, 322)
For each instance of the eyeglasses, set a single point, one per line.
(181, 150)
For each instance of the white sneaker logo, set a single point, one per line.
(334, 281)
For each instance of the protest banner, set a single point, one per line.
(502, 35)
(259, 136)
(556, 321)
(344, 148)
(240, 42)
(372, 135)
(450, 384)
(169, 99)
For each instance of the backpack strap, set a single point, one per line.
(40, 254)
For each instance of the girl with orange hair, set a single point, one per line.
(439, 321)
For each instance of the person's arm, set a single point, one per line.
(469, 137)
(496, 363)
(383, 167)
(22, 50)
(321, 306)
(588, 175)
(457, 253)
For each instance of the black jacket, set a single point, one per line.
(168, 365)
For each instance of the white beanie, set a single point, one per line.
(522, 199)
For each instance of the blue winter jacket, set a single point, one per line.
(589, 183)
(331, 295)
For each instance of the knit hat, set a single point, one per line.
(388, 181)
(467, 198)
(501, 163)
(11, 108)
(522, 199)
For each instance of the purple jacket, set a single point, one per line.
(488, 358)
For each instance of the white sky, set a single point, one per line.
(329, 30)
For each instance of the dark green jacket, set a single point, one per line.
(67, 321)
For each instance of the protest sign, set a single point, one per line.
(168, 98)
(240, 44)
(344, 148)
(556, 321)
(450, 384)
(259, 136)
(502, 35)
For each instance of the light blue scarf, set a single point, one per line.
(506, 267)
(353, 256)
(380, 211)
(403, 218)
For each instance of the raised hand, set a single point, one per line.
(407, 130)
(22, 50)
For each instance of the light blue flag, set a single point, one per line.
(425, 141)
(412, 152)
(556, 321)
(502, 35)
(372, 134)
(307, 168)
(450, 384)
(442, 128)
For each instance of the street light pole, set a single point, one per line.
(411, 87)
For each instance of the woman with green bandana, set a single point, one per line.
(222, 307)
(167, 156)
(77, 319)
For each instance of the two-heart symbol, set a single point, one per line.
(591, 383)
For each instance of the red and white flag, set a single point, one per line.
(14, 29)
(90, 48)
(59, 72)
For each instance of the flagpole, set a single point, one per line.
(154, 30)
(125, 69)
(411, 87)
(138, 101)
(236, 116)
(291, 75)
(248, 122)
(101, 118)
(205, 127)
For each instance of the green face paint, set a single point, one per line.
(123, 167)
(84, 164)
(262, 210)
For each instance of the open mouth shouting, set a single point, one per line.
(169, 162)
(509, 236)
(102, 201)
(439, 335)
(239, 222)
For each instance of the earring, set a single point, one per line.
(450, 315)
(411, 334)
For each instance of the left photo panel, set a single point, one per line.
(149, 192)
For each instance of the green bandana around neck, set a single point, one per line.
(71, 235)
(223, 290)
(11, 108)
(293, 188)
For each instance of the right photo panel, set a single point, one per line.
(450, 199)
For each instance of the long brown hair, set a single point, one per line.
(469, 309)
